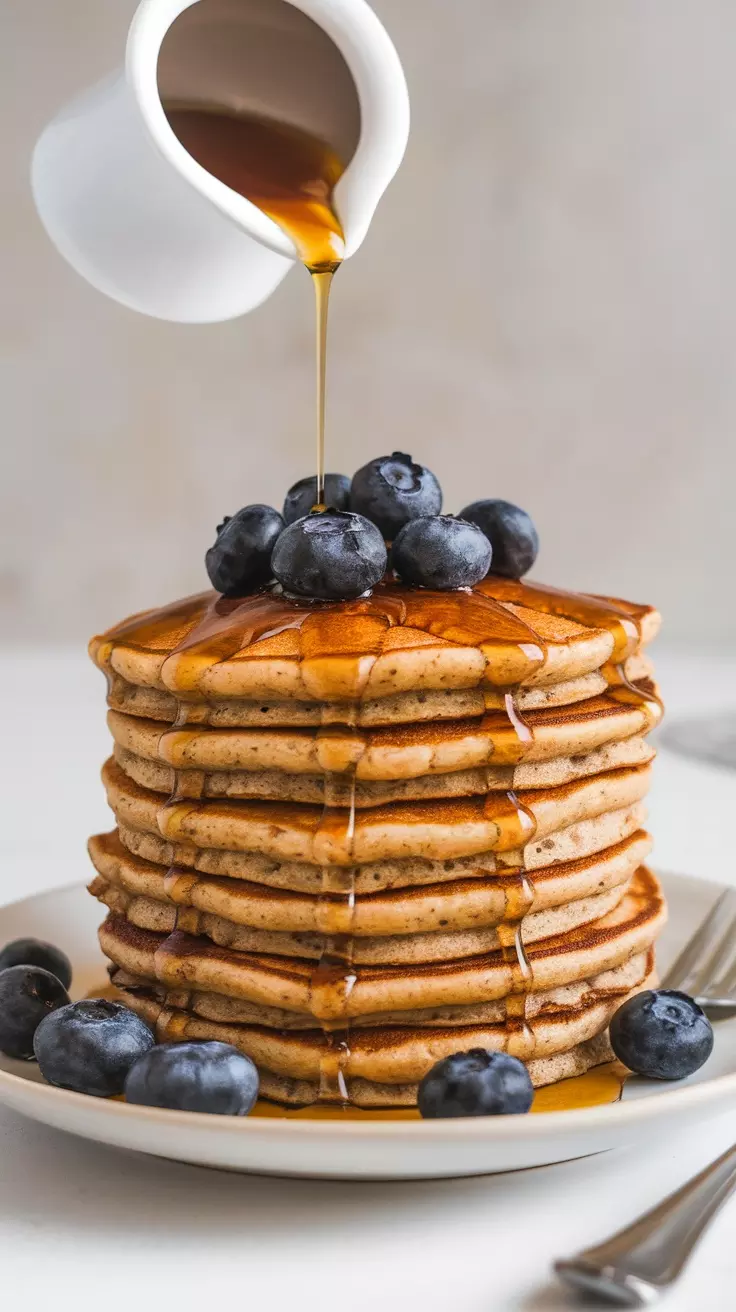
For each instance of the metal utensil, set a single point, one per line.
(706, 967)
(637, 1265)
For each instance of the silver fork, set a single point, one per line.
(635, 1267)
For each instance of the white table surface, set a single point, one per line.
(85, 1226)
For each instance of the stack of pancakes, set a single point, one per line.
(355, 837)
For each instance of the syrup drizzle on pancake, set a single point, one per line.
(203, 631)
(208, 629)
(622, 622)
(595, 1088)
(188, 785)
(339, 643)
(333, 979)
(520, 1041)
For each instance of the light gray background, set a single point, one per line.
(543, 310)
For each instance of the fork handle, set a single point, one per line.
(637, 1265)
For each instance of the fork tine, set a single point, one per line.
(727, 986)
(688, 968)
(714, 970)
(722, 976)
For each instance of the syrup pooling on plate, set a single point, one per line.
(596, 1088)
(290, 175)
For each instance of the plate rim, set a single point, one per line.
(494, 1127)
(507, 1128)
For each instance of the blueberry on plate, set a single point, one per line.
(28, 995)
(511, 533)
(303, 496)
(476, 1083)
(240, 560)
(34, 952)
(332, 554)
(392, 490)
(661, 1033)
(194, 1077)
(441, 552)
(90, 1046)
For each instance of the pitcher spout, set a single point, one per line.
(131, 209)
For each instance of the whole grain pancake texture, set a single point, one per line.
(352, 838)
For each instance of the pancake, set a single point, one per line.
(479, 902)
(393, 949)
(180, 960)
(369, 1094)
(397, 708)
(213, 1006)
(440, 830)
(387, 1055)
(405, 752)
(274, 785)
(573, 843)
(393, 641)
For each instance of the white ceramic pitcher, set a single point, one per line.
(137, 216)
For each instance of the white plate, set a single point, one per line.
(371, 1150)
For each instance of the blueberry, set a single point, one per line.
(441, 552)
(240, 560)
(90, 1046)
(331, 554)
(392, 490)
(194, 1077)
(34, 952)
(303, 496)
(27, 995)
(511, 533)
(476, 1083)
(662, 1034)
